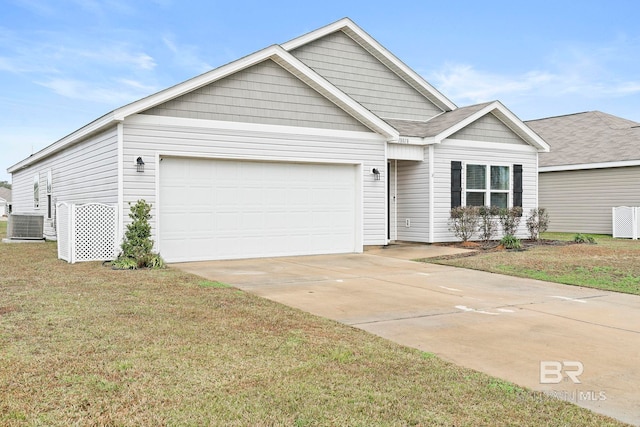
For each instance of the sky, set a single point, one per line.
(65, 63)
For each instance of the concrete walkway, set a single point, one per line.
(507, 327)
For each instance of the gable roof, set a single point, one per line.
(587, 140)
(433, 131)
(361, 37)
(5, 194)
(448, 123)
(275, 53)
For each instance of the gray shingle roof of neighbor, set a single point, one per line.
(589, 137)
(437, 124)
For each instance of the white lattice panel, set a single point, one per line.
(87, 232)
(625, 222)
(95, 232)
(63, 227)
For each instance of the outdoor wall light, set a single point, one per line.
(140, 164)
(376, 173)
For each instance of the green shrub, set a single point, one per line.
(463, 222)
(511, 242)
(583, 238)
(137, 244)
(124, 263)
(510, 220)
(537, 222)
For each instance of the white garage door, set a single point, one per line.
(223, 209)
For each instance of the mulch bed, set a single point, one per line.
(494, 246)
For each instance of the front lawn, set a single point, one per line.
(610, 264)
(86, 345)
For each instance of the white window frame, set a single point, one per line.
(36, 191)
(487, 190)
(49, 195)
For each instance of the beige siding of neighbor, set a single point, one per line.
(581, 201)
(445, 153)
(83, 173)
(148, 138)
(352, 69)
(264, 93)
(489, 129)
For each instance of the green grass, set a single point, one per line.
(86, 345)
(610, 264)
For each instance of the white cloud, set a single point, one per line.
(113, 93)
(40, 7)
(462, 81)
(186, 56)
(120, 55)
(589, 74)
(582, 76)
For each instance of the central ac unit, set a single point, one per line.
(25, 227)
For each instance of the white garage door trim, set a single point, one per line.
(255, 225)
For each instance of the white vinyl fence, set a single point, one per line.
(626, 222)
(87, 232)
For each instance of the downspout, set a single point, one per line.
(537, 179)
(386, 193)
(120, 133)
(395, 200)
(431, 193)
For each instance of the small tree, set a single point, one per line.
(488, 226)
(137, 244)
(537, 222)
(463, 222)
(510, 220)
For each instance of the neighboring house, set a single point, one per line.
(593, 166)
(324, 144)
(5, 201)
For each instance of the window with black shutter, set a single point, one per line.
(456, 184)
(517, 185)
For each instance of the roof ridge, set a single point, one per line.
(561, 115)
(615, 122)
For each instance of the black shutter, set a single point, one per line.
(517, 185)
(456, 184)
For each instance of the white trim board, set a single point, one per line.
(484, 145)
(242, 127)
(586, 166)
(199, 155)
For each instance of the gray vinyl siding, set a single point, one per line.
(412, 200)
(352, 69)
(85, 172)
(581, 201)
(148, 140)
(489, 129)
(264, 93)
(445, 153)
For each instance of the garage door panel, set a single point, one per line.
(220, 209)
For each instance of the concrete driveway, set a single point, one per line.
(540, 335)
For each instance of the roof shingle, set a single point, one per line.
(437, 124)
(589, 137)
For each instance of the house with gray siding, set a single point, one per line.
(327, 143)
(594, 165)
